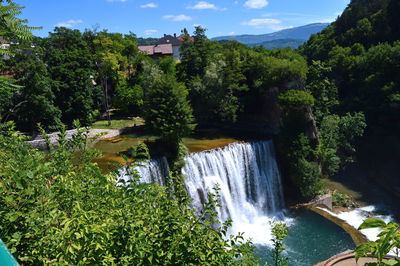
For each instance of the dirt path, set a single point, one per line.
(40, 143)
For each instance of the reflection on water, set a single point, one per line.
(111, 149)
(197, 145)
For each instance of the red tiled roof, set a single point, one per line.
(149, 49)
(163, 49)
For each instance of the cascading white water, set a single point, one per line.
(249, 181)
(153, 171)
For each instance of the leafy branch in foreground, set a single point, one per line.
(11, 26)
(388, 240)
(57, 207)
(279, 232)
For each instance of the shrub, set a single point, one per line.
(295, 98)
(388, 239)
(167, 111)
(58, 207)
(342, 200)
(279, 233)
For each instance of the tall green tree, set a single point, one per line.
(298, 158)
(36, 98)
(338, 136)
(118, 65)
(71, 67)
(322, 88)
(167, 110)
(195, 55)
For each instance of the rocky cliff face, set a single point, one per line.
(271, 112)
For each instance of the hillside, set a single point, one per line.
(280, 43)
(367, 22)
(362, 51)
(298, 33)
(146, 41)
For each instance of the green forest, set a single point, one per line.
(327, 98)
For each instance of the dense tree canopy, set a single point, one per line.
(362, 50)
(226, 79)
(36, 99)
(167, 110)
(70, 66)
(71, 75)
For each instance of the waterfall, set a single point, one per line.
(249, 181)
(246, 173)
(153, 171)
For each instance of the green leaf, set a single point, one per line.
(362, 250)
(77, 247)
(372, 223)
(392, 262)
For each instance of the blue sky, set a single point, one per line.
(153, 18)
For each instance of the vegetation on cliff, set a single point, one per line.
(362, 50)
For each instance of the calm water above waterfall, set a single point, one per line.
(111, 148)
(252, 196)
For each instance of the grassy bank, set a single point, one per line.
(118, 123)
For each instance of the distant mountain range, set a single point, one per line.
(292, 37)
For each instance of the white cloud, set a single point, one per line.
(231, 33)
(177, 17)
(268, 23)
(205, 5)
(69, 24)
(149, 5)
(116, 1)
(256, 3)
(236, 2)
(150, 32)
